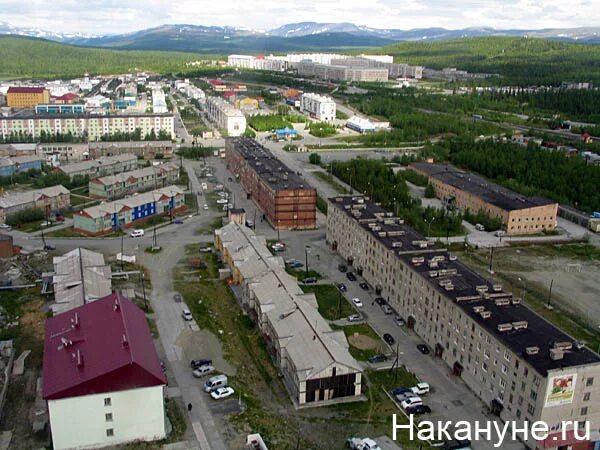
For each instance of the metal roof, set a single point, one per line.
(20, 198)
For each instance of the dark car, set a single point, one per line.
(309, 280)
(400, 390)
(229, 179)
(423, 349)
(342, 287)
(200, 362)
(387, 337)
(177, 298)
(178, 221)
(342, 268)
(380, 301)
(364, 286)
(377, 358)
(418, 409)
(49, 247)
(351, 276)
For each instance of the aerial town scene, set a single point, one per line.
(300, 226)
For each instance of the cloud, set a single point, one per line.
(113, 17)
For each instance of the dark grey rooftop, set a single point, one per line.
(267, 166)
(520, 327)
(486, 190)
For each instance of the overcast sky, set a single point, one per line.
(119, 16)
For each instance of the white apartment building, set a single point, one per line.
(159, 101)
(318, 106)
(224, 115)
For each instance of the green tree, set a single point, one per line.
(314, 158)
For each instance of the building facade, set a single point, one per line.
(341, 73)
(18, 164)
(318, 106)
(126, 183)
(467, 191)
(60, 109)
(511, 358)
(102, 166)
(26, 97)
(91, 127)
(314, 360)
(102, 378)
(225, 116)
(126, 213)
(141, 149)
(288, 203)
(50, 199)
(57, 153)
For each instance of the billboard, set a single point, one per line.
(561, 389)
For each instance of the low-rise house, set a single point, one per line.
(102, 378)
(59, 153)
(50, 199)
(105, 165)
(139, 180)
(142, 149)
(80, 276)
(129, 211)
(17, 164)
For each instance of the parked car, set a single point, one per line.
(205, 207)
(202, 371)
(250, 223)
(5, 227)
(218, 381)
(357, 302)
(364, 286)
(423, 349)
(342, 268)
(186, 314)
(355, 318)
(362, 444)
(420, 388)
(178, 221)
(377, 358)
(387, 337)
(293, 263)
(206, 250)
(401, 390)
(404, 396)
(136, 233)
(399, 321)
(222, 392)
(410, 402)
(222, 201)
(309, 280)
(278, 246)
(177, 298)
(499, 233)
(229, 179)
(342, 287)
(418, 409)
(49, 247)
(351, 276)
(200, 362)
(387, 309)
(380, 301)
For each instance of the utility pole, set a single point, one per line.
(306, 247)
(550, 293)
(122, 236)
(491, 270)
(144, 291)
(154, 241)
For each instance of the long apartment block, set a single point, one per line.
(468, 191)
(520, 365)
(287, 202)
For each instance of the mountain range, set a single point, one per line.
(290, 37)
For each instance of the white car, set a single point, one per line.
(222, 201)
(205, 207)
(420, 388)
(357, 302)
(222, 392)
(6, 227)
(202, 371)
(204, 186)
(413, 401)
(186, 314)
(137, 233)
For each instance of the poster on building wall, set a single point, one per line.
(560, 390)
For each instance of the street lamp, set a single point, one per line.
(306, 249)
(429, 226)
(522, 288)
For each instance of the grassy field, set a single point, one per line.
(363, 329)
(301, 273)
(332, 304)
(331, 181)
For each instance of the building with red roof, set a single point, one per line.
(26, 96)
(102, 378)
(67, 98)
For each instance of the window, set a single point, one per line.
(504, 369)
(107, 401)
(110, 432)
(507, 355)
(584, 411)
(108, 417)
(530, 409)
(533, 395)
(586, 397)
(589, 382)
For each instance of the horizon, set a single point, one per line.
(99, 18)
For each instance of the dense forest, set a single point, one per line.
(521, 61)
(530, 170)
(36, 58)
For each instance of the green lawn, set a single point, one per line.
(331, 181)
(301, 273)
(332, 304)
(69, 232)
(365, 330)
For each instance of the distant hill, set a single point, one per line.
(519, 60)
(37, 58)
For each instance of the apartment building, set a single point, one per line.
(91, 127)
(224, 115)
(26, 96)
(17, 164)
(520, 365)
(127, 212)
(141, 149)
(394, 70)
(126, 183)
(318, 106)
(288, 203)
(341, 73)
(105, 165)
(60, 108)
(50, 199)
(468, 191)
(314, 360)
(57, 153)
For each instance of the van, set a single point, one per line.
(479, 227)
(137, 233)
(186, 314)
(215, 382)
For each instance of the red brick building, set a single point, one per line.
(287, 202)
